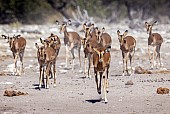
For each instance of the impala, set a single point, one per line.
(155, 40)
(17, 45)
(127, 46)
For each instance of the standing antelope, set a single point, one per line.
(89, 41)
(54, 42)
(103, 38)
(155, 40)
(72, 41)
(46, 57)
(101, 62)
(17, 45)
(127, 45)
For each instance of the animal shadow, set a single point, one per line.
(94, 100)
(37, 86)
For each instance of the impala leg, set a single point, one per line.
(96, 79)
(126, 62)
(67, 55)
(79, 56)
(90, 64)
(149, 53)
(73, 58)
(107, 80)
(158, 56)
(100, 83)
(104, 88)
(154, 53)
(21, 60)
(54, 70)
(85, 62)
(47, 75)
(43, 76)
(15, 63)
(123, 64)
(130, 57)
(51, 73)
(126, 67)
(40, 77)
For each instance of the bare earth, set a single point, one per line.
(75, 94)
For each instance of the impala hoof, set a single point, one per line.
(107, 91)
(54, 85)
(47, 87)
(99, 91)
(105, 101)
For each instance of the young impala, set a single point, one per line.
(127, 45)
(54, 42)
(17, 45)
(72, 41)
(46, 58)
(155, 40)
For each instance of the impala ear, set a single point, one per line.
(42, 41)
(92, 26)
(52, 34)
(146, 23)
(36, 45)
(5, 37)
(84, 26)
(18, 36)
(125, 33)
(57, 22)
(103, 29)
(96, 30)
(69, 22)
(155, 22)
(118, 32)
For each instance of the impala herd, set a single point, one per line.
(96, 44)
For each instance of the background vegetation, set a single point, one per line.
(43, 11)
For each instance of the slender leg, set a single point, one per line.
(126, 61)
(21, 60)
(158, 56)
(67, 55)
(104, 88)
(96, 79)
(73, 57)
(153, 59)
(100, 83)
(47, 75)
(123, 63)
(79, 56)
(85, 62)
(130, 57)
(107, 79)
(40, 78)
(54, 70)
(15, 62)
(90, 64)
(43, 76)
(149, 53)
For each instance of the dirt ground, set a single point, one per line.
(75, 94)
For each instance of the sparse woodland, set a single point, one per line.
(46, 11)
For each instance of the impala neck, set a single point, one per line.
(65, 32)
(150, 32)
